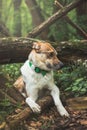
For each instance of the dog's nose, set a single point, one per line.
(58, 65)
(61, 64)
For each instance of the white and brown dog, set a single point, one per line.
(37, 74)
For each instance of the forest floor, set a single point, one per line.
(51, 120)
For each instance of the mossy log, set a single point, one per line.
(16, 50)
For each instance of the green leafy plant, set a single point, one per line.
(73, 79)
(12, 71)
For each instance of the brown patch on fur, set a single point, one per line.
(43, 47)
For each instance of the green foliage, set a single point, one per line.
(8, 17)
(12, 71)
(26, 19)
(47, 7)
(83, 21)
(59, 30)
(73, 79)
(5, 108)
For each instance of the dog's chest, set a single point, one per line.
(35, 79)
(39, 80)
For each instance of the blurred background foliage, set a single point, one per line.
(21, 16)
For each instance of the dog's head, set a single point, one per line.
(44, 56)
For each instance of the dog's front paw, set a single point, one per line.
(34, 106)
(64, 113)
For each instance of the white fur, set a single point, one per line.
(35, 82)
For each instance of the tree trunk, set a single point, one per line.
(35, 10)
(3, 30)
(22, 46)
(53, 18)
(37, 17)
(82, 14)
(78, 28)
(61, 25)
(82, 8)
(0, 9)
(17, 17)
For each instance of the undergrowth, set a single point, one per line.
(73, 79)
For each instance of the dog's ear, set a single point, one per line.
(36, 46)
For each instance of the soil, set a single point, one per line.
(51, 120)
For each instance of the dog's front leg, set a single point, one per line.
(56, 97)
(33, 105)
(30, 100)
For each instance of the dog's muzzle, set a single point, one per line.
(55, 66)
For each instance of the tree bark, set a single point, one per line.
(4, 95)
(53, 18)
(67, 51)
(78, 28)
(13, 50)
(61, 25)
(15, 97)
(17, 18)
(3, 30)
(11, 93)
(0, 9)
(82, 14)
(77, 103)
(37, 17)
(25, 113)
(82, 8)
(35, 10)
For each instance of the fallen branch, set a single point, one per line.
(79, 29)
(13, 50)
(15, 97)
(10, 93)
(36, 31)
(13, 121)
(78, 103)
(22, 46)
(4, 95)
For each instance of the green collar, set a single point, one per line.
(38, 70)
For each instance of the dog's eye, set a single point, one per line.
(51, 54)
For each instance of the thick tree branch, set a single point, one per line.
(79, 29)
(77, 103)
(16, 50)
(13, 121)
(36, 31)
